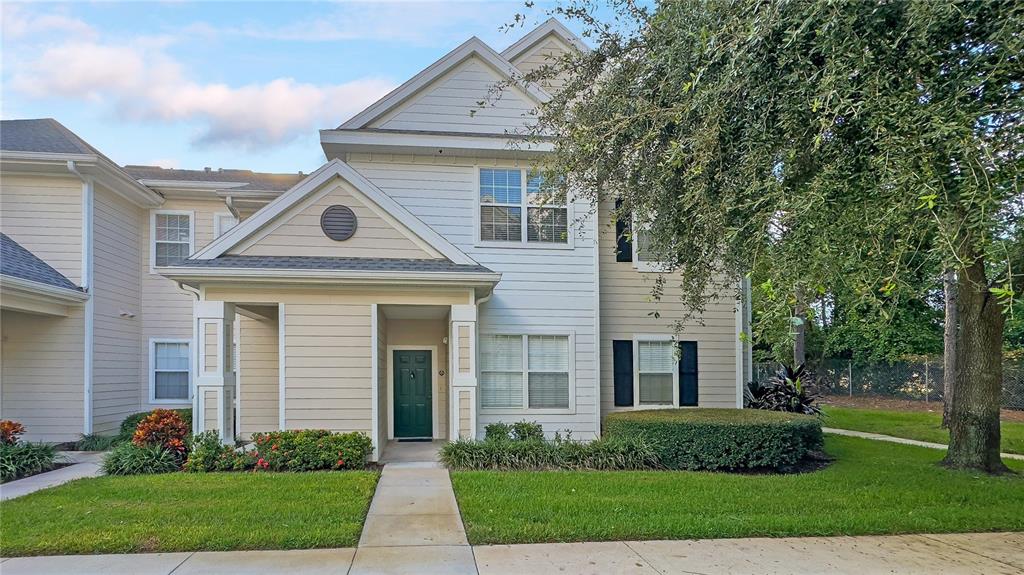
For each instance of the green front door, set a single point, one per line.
(412, 394)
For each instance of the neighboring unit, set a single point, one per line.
(417, 285)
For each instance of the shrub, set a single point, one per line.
(10, 431)
(721, 439)
(163, 428)
(499, 431)
(131, 459)
(131, 423)
(527, 430)
(310, 449)
(207, 453)
(787, 390)
(96, 442)
(604, 454)
(22, 459)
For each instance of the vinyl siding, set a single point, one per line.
(382, 381)
(542, 289)
(41, 365)
(117, 354)
(544, 53)
(410, 332)
(446, 104)
(44, 215)
(258, 376)
(300, 234)
(626, 309)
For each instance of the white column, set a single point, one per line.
(462, 372)
(213, 404)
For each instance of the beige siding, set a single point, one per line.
(118, 356)
(258, 386)
(411, 332)
(447, 103)
(382, 380)
(544, 53)
(41, 365)
(465, 413)
(626, 305)
(210, 347)
(210, 408)
(44, 215)
(464, 362)
(300, 234)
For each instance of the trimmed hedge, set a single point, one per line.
(629, 453)
(721, 439)
(310, 450)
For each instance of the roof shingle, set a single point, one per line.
(253, 181)
(44, 135)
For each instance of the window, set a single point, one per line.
(525, 371)
(170, 378)
(643, 258)
(222, 223)
(656, 369)
(172, 234)
(505, 194)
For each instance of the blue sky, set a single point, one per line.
(226, 84)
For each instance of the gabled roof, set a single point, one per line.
(44, 135)
(334, 263)
(472, 47)
(311, 184)
(18, 262)
(551, 26)
(243, 180)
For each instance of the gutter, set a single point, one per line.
(182, 273)
(88, 194)
(42, 291)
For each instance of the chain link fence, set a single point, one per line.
(912, 380)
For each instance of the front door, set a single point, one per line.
(412, 394)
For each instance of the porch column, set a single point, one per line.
(462, 371)
(214, 400)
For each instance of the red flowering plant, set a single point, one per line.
(10, 431)
(165, 428)
(310, 450)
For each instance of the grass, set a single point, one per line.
(872, 488)
(189, 512)
(920, 425)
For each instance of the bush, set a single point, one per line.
(131, 423)
(786, 391)
(721, 439)
(207, 453)
(96, 442)
(604, 454)
(526, 431)
(163, 428)
(22, 459)
(10, 431)
(310, 450)
(131, 459)
(499, 431)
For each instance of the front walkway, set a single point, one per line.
(83, 464)
(903, 440)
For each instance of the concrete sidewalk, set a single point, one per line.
(903, 440)
(83, 464)
(961, 554)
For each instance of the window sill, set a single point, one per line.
(171, 401)
(522, 245)
(513, 411)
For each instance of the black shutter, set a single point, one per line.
(688, 373)
(622, 356)
(623, 247)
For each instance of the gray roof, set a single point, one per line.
(254, 181)
(41, 135)
(340, 263)
(16, 261)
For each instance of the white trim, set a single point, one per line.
(152, 233)
(739, 311)
(282, 421)
(548, 27)
(341, 141)
(152, 371)
(524, 207)
(40, 291)
(472, 47)
(391, 349)
(89, 348)
(375, 380)
(524, 333)
(217, 226)
(331, 276)
(637, 338)
(327, 172)
(598, 403)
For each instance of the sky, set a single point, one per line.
(226, 84)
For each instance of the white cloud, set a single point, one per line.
(17, 23)
(142, 82)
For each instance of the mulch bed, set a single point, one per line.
(891, 404)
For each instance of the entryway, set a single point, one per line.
(413, 394)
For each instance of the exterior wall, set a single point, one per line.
(446, 104)
(431, 332)
(300, 234)
(210, 410)
(542, 288)
(44, 215)
(544, 53)
(382, 381)
(625, 310)
(258, 385)
(117, 301)
(41, 366)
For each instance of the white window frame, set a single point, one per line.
(526, 410)
(524, 206)
(152, 371)
(634, 240)
(218, 230)
(637, 338)
(152, 233)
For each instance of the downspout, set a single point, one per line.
(86, 283)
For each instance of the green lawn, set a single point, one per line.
(189, 512)
(872, 488)
(920, 425)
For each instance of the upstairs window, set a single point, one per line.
(505, 196)
(172, 234)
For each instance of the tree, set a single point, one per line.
(840, 143)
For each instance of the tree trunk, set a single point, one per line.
(949, 334)
(799, 331)
(974, 416)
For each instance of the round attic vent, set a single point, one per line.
(338, 223)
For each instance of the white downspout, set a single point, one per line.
(87, 286)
